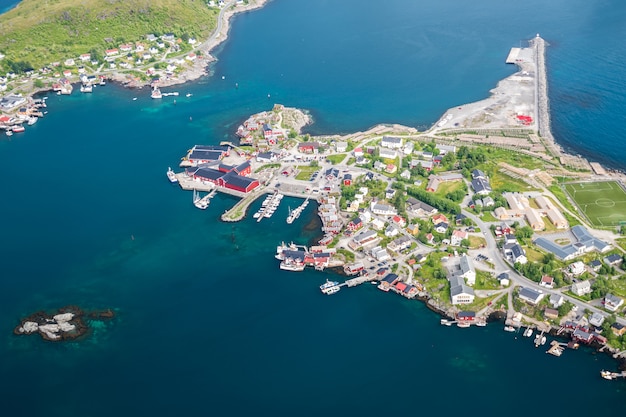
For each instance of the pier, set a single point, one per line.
(206, 198)
(353, 282)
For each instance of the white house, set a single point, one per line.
(391, 231)
(459, 292)
(547, 281)
(391, 142)
(467, 269)
(378, 224)
(457, 237)
(341, 146)
(531, 295)
(382, 209)
(556, 300)
(387, 153)
(596, 319)
(581, 288)
(612, 302)
(577, 268)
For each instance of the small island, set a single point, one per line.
(67, 323)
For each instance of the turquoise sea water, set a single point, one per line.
(6, 5)
(207, 323)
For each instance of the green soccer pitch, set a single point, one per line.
(603, 203)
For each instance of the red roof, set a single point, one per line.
(401, 286)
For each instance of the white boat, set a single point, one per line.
(481, 323)
(188, 95)
(446, 322)
(32, 120)
(256, 215)
(291, 266)
(9, 132)
(330, 287)
(199, 202)
(171, 175)
(156, 93)
(86, 88)
(332, 290)
(18, 128)
(509, 328)
(607, 375)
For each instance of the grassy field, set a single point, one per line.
(603, 203)
(41, 32)
(335, 159)
(502, 182)
(305, 171)
(448, 187)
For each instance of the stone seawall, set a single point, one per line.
(542, 101)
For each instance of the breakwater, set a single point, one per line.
(542, 102)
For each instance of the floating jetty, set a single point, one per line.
(294, 214)
(556, 348)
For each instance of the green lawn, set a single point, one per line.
(305, 171)
(335, 159)
(502, 182)
(476, 241)
(448, 187)
(603, 203)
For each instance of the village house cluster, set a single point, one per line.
(399, 235)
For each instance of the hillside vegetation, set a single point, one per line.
(38, 32)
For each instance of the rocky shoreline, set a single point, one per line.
(67, 323)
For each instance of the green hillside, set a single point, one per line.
(38, 32)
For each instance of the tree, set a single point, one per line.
(95, 55)
(465, 243)
(448, 159)
(600, 287)
(524, 232)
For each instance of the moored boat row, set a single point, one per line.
(268, 206)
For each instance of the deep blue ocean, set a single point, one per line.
(207, 324)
